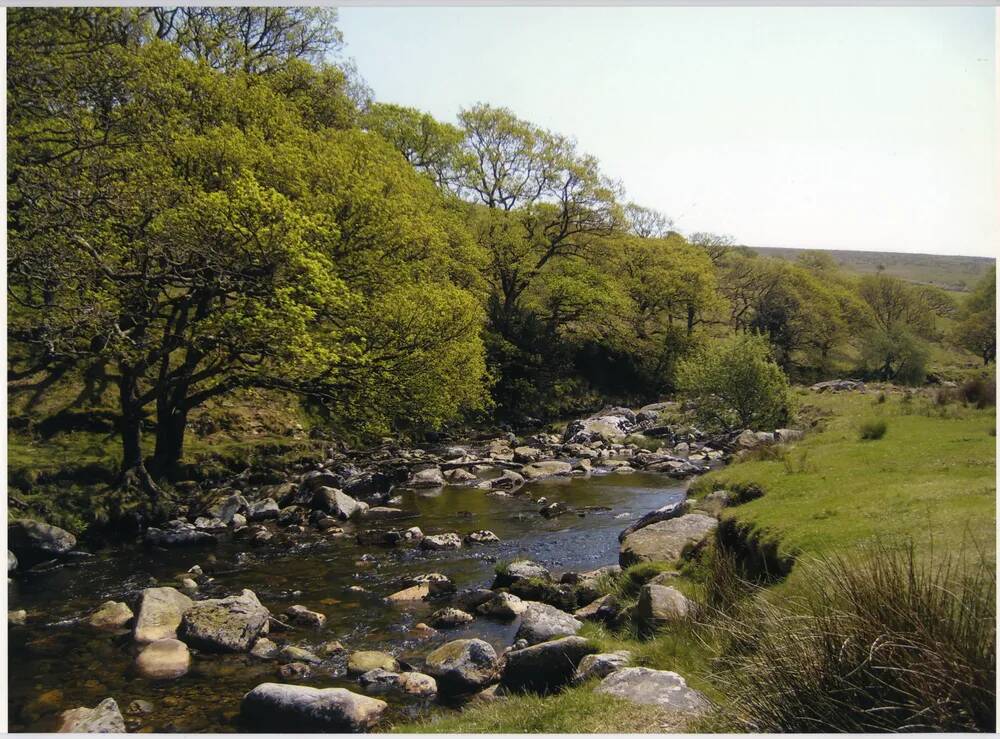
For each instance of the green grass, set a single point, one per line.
(931, 479)
(575, 710)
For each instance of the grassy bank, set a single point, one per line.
(928, 482)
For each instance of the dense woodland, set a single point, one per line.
(203, 200)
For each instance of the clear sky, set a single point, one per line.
(839, 128)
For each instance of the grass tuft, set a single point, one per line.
(873, 429)
(882, 642)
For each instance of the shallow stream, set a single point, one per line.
(56, 663)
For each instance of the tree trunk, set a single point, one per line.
(171, 424)
(133, 471)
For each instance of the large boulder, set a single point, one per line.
(299, 708)
(547, 468)
(11, 561)
(165, 659)
(664, 513)
(224, 624)
(661, 688)
(104, 718)
(338, 503)
(659, 605)
(159, 614)
(111, 616)
(544, 667)
(34, 541)
(607, 428)
(541, 622)
(666, 541)
(463, 666)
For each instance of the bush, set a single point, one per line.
(736, 384)
(881, 644)
(979, 391)
(874, 429)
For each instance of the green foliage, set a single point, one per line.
(736, 384)
(219, 229)
(977, 330)
(873, 429)
(895, 354)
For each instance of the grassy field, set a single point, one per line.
(949, 272)
(928, 481)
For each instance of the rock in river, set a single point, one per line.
(165, 659)
(111, 616)
(159, 614)
(224, 624)
(544, 667)
(34, 541)
(104, 718)
(430, 477)
(338, 503)
(519, 570)
(303, 616)
(548, 468)
(299, 708)
(655, 688)
(666, 541)
(178, 534)
(411, 684)
(463, 666)
(449, 618)
(502, 605)
(541, 622)
(361, 662)
(664, 513)
(441, 541)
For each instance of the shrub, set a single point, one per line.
(979, 391)
(872, 645)
(874, 429)
(735, 384)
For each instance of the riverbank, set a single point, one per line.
(355, 570)
(929, 483)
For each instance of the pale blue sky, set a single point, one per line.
(851, 128)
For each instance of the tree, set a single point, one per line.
(646, 222)
(196, 231)
(895, 354)
(248, 39)
(977, 330)
(429, 146)
(540, 201)
(736, 384)
(717, 246)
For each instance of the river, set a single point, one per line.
(57, 663)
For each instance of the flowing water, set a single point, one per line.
(56, 663)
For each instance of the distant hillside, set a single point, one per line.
(948, 272)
